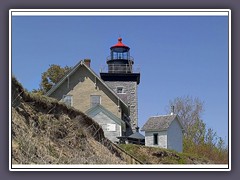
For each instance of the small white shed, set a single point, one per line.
(165, 131)
(112, 126)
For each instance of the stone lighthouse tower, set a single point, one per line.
(121, 78)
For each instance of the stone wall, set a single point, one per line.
(129, 96)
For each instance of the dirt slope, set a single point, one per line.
(47, 132)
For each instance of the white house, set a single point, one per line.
(112, 126)
(165, 131)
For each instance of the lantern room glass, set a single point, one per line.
(120, 53)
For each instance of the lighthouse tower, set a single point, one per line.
(121, 79)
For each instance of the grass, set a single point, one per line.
(45, 131)
(154, 155)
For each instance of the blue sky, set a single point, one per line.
(177, 56)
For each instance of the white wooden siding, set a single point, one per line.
(104, 121)
(174, 134)
(162, 139)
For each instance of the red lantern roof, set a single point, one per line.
(120, 44)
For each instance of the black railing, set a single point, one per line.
(120, 68)
(129, 58)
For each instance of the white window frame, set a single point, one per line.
(111, 127)
(122, 90)
(100, 99)
(71, 98)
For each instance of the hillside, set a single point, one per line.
(47, 132)
(154, 155)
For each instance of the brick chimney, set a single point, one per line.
(87, 62)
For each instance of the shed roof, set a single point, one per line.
(160, 123)
(137, 135)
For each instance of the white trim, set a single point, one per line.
(123, 90)
(81, 63)
(161, 167)
(111, 127)
(120, 12)
(148, 167)
(10, 92)
(120, 130)
(106, 112)
(229, 90)
(100, 99)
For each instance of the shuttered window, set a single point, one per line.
(95, 100)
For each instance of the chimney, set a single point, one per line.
(137, 129)
(172, 110)
(87, 62)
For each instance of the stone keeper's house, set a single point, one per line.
(110, 99)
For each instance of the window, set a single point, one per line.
(111, 127)
(67, 99)
(120, 90)
(95, 100)
(155, 138)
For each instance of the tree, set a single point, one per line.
(197, 138)
(49, 78)
(190, 111)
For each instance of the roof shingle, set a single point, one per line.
(137, 135)
(158, 123)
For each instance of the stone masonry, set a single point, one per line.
(129, 96)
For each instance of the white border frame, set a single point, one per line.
(121, 12)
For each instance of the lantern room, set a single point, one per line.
(120, 60)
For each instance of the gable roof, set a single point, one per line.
(99, 108)
(82, 64)
(160, 123)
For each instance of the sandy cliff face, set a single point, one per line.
(46, 132)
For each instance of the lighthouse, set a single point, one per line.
(122, 79)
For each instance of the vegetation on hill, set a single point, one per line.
(154, 155)
(45, 131)
(198, 139)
